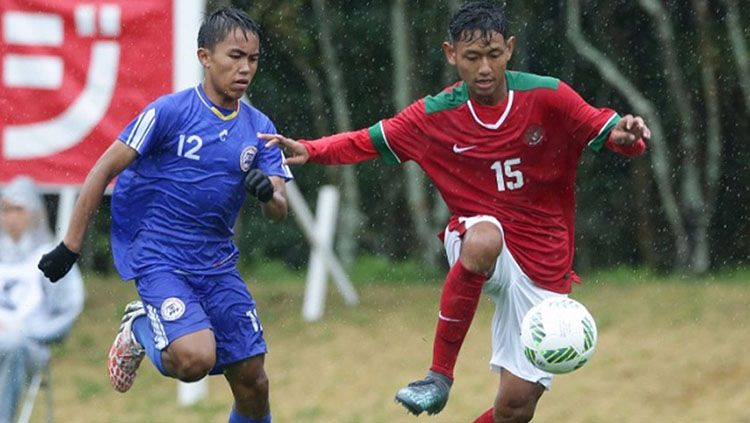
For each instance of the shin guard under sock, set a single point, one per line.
(458, 303)
(145, 336)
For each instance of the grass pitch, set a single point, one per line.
(668, 351)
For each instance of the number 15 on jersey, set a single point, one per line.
(507, 174)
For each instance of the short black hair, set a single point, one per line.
(483, 16)
(221, 22)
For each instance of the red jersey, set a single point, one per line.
(516, 161)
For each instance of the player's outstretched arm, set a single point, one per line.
(58, 262)
(270, 192)
(295, 152)
(629, 136)
(629, 130)
(276, 208)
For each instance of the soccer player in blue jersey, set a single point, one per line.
(185, 165)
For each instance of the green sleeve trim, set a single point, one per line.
(449, 99)
(598, 142)
(522, 81)
(377, 137)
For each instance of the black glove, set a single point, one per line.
(57, 262)
(259, 185)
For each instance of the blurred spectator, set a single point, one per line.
(33, 312)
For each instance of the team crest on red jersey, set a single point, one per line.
(534, 135)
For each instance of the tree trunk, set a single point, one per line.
(701, 257)
(317, 99)
(693, 201)
(351, 215)
(416, 195)
(440, 212)
(521, 13)
(660, 161)
(646, 231)
(317, 105)
(739, 48)
(449, 72)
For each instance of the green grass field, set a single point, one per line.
(669, 351)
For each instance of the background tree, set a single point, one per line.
(333, 65)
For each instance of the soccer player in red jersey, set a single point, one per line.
(502, 147)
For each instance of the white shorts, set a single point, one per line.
(514, 294)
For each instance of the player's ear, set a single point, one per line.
(204, 56)
(511, 44)
(450, 52)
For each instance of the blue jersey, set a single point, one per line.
(174, 207)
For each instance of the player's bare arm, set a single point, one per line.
(276, 208)
(58, 262)
(629, 130)
(296, 153)
(114, 160)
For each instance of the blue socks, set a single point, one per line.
(235, 417)
(145, 336)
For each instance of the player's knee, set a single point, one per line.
(253, 388)
(515, 410)
(191, 365)
(481, 246)
(259, 385)
(509, 414)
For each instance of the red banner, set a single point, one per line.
(73, 74)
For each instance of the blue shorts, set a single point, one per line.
(179, 304)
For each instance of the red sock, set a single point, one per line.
(458, 303)
(486, 417)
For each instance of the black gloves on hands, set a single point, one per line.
(259, 185)
(57, 262)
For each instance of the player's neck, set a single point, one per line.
(217, 98)
(491, 100)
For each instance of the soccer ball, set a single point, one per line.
(558, 335)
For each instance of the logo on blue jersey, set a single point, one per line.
(223, 135)
(247, 157)
(172, 309)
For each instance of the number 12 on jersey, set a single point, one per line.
(194, 143)
(507, 176)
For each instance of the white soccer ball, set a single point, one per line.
(558, 335)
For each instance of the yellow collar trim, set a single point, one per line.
(216, 110)
(224, 117)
